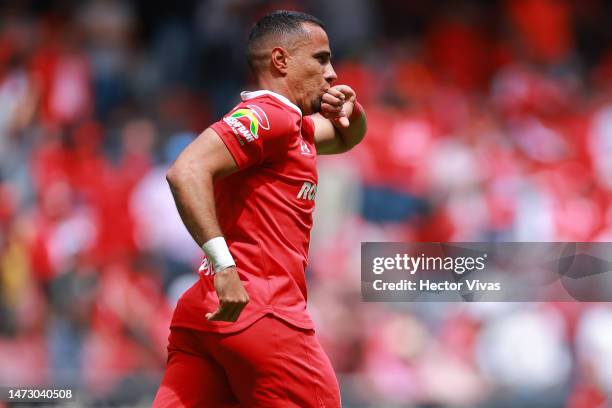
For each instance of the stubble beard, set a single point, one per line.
(316, 105)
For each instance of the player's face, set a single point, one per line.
(311, 72)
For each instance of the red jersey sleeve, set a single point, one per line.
(308, 129)
(254, 131)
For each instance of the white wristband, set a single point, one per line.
(218, 254)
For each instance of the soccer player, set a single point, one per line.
(245, 189)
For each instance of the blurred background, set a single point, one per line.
(488, 120)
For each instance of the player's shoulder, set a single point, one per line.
(263, 114)
(271, 108)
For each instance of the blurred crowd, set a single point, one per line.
(488, 121)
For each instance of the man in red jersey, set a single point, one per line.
(241, 336)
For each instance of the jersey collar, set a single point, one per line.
(246, 95)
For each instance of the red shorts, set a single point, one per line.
(269, 364)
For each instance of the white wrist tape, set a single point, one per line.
(218, 254)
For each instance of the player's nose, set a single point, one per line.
(330, 74)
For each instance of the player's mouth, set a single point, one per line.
(320, 96)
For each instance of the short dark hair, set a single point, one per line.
(277, 23)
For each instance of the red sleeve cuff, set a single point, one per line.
(231, 142)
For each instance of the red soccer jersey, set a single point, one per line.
(265, 213)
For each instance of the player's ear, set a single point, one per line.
(280, 57)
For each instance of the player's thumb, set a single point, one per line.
(347, 91)
(344, 122)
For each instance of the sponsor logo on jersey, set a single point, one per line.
(262, 118)
(246, 122)
(308, 191)
(205, 267)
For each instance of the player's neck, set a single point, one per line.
(277, 87)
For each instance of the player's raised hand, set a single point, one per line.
(337, 104)
(232, 296)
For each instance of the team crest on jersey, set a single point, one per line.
(304, 149)
(247, 122)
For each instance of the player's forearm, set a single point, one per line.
(355, 132)
(194, 198)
